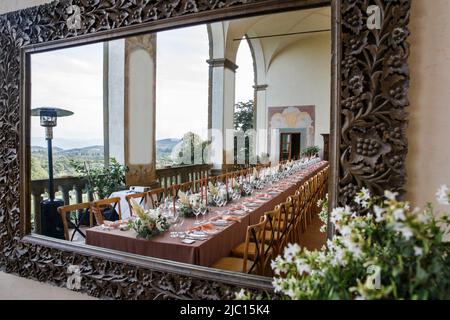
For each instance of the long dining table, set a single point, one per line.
(217, 245)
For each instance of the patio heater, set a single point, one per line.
(51, 223)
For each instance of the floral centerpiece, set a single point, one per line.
(237, 186)
(148, 223)
(187, 202)
(389, 252)
(214, 192)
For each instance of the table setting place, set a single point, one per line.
(204, 231)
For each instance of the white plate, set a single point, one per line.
(220, 222)
(250, 204)
(197, 234)
(237, 212)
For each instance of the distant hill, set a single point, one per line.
(165, 146)
(89, 151)
(164, 150)
(62, 160)
(93, 154)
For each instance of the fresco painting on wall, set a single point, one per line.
(289, 118)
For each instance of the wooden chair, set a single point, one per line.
(303, 207)
(79, 208)
(140, 198)
(186, 187)
(174, 189)
(308, 200)
(156, 197)
(297, 220)
(252, 250)
(255, 235)
(283, 227)
(199, 184)
(100, 205)
(324, 182)
(272, 234)
(293, 234)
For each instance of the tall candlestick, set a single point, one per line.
(174, 195)
(206, 191)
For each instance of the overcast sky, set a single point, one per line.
(72, 79)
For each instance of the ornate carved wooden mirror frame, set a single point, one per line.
(370, 80)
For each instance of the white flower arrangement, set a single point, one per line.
(407, 246)
(148, 223)
(443, 195)
(187, 202)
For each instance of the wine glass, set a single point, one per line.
(180, 223)
(196, 209)
(203, 211)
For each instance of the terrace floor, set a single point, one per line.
(26, 289)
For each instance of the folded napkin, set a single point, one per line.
(227, 218)
(114, 224)
(204, 227)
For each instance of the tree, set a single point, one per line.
(189, 150)
(243, 115)
(243, 121)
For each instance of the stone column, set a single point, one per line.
(222, 95)
(131, 105)
(140, 106)
(262, 124)
(114, 100)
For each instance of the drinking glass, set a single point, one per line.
(203, 211)
(196, 210)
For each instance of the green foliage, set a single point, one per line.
(403, 248)
(103, 180)
(310, 151)
(38, 168)
(62, 161)
(164, 149)
(190, 150)
(243, 115)
(243, 121)
(323, 214)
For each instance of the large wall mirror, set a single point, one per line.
(142, 105)
(220, 125)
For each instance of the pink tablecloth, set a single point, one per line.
(205, 252)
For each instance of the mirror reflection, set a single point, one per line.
(206, 145)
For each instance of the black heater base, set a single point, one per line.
(51, 222)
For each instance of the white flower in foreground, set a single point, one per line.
(291, 251)
(404, 230)
(418, 251)
(345, 230)
(379, 213)
(443, 195)
(337, 214)
(362, 198)
(423, 217)
(240, 295)
(277, 284)
(352, 247)
(399, 214)
(391, 195)
(302, 266)
(365, 194)
(319, 203)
